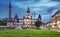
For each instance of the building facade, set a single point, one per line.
(55, 20)
(28, 21)
(10, 22)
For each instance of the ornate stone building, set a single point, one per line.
(55, 20)
(10, 22)
(28, 21)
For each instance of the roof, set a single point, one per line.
(16, 17)
(39, 17)
(28, 11)
(56, 13)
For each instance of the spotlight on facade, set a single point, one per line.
(52, 26)
(58, 26)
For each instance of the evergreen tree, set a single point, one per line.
(38, 24)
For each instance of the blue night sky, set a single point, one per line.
(46, 8)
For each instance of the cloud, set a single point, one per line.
(56, 0)
(43, 7)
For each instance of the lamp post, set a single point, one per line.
(31, 21)
(34, 15)
(49, 22)
(56, 22)
(23, 20)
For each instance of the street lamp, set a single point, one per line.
(34, 14)
(50, 21)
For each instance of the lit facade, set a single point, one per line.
(55, 20)
(28, 21)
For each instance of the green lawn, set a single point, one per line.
(29, 33)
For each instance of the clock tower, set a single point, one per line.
(28, 14)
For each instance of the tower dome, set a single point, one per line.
(28, 14)
(39, 17)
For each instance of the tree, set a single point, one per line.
(38, 24)
(3, 23)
